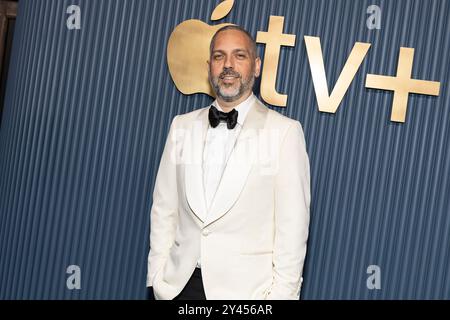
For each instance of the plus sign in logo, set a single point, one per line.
(402, 84)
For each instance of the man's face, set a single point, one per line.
(232, 66)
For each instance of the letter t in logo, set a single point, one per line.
(274, 39)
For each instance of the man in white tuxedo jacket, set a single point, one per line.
(230, 211)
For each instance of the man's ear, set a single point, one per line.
(208, 66)
(257, 67)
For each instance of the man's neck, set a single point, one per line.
(228, 106)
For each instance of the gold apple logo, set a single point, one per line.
(188, 51)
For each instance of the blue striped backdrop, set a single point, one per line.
(87, 113)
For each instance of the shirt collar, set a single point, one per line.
(243, 108)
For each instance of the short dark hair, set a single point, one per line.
(238, 28)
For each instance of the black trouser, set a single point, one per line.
(194, 288)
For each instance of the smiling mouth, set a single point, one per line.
(229, 75)
(229, 78)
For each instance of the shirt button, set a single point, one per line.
(206, 232)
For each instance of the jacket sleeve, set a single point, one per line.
(164, 211)
(292, 202)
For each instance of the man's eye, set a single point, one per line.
(218, 57)
(241, 56)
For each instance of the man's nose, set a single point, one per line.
(229, 63)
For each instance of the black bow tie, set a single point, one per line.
(215, 116)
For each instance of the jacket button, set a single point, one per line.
(206, 232)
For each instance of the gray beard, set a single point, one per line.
(243, 87)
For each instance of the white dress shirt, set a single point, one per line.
(219, 144)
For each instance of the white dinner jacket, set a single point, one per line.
(252, 243)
